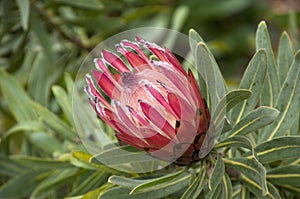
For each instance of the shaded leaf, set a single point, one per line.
(217, 174)
(196, 187)
(40, 163)
(17, 99)
(22, 185)
(252, 173)
(54, 122)
(83, 4)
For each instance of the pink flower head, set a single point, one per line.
(155, 105)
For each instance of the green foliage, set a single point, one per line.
(41, 156)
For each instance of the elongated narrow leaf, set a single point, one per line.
(24, 7)
(57, 179)
(231, 99)
(194, 39)
(36, 162)
(217, 174)
(226, 187)
(39, 29)
(17, 99)
(210, 72)
(236, 141)
(156, 192)
(45, 142)
(278, 149)
(24, 126)
(38, 85)
(156, 182)
(89, 182)
(64, 102)
(252, 173)
(9, 167)
(127, 182)
(54, 122)
(254, 120)
(82, 160)
(121, 159)
(216, 193)
(285, 56)
(83, 4)
(287, 102)
(196, 187)
(253, 79)
(287, 175)
(22, 185)
(272, 83)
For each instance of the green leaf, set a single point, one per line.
(90, 181)
(83, 4)
(22, 185)
(24, 126)
(252, 173)
(24, 7)
(119, 157)
(45, 141)
(287, 102)
(82, 159)
(40, 31)
(160, 191)
(226, 187)
(196, 187)
(254, 120)
(54, 122)
(64, 102)
(286, 175)
(40, 163)
(253, 79)
(278, 149)
(194, 39)
(17, 99)
(236, 141)
(285, 56)
(217, 174)
(210, 72)
(10, 167)
(272, 83)
(231, 99)
(129, 183)
(156, 182)
(57, 179)
(38, 83)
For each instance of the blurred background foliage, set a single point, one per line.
(43, 43)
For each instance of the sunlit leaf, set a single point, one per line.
(24, 6)
(272, 84)
(285, 56)
(253, 79)
(287, 102)
(254, 120)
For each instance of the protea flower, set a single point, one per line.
(155, 105)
